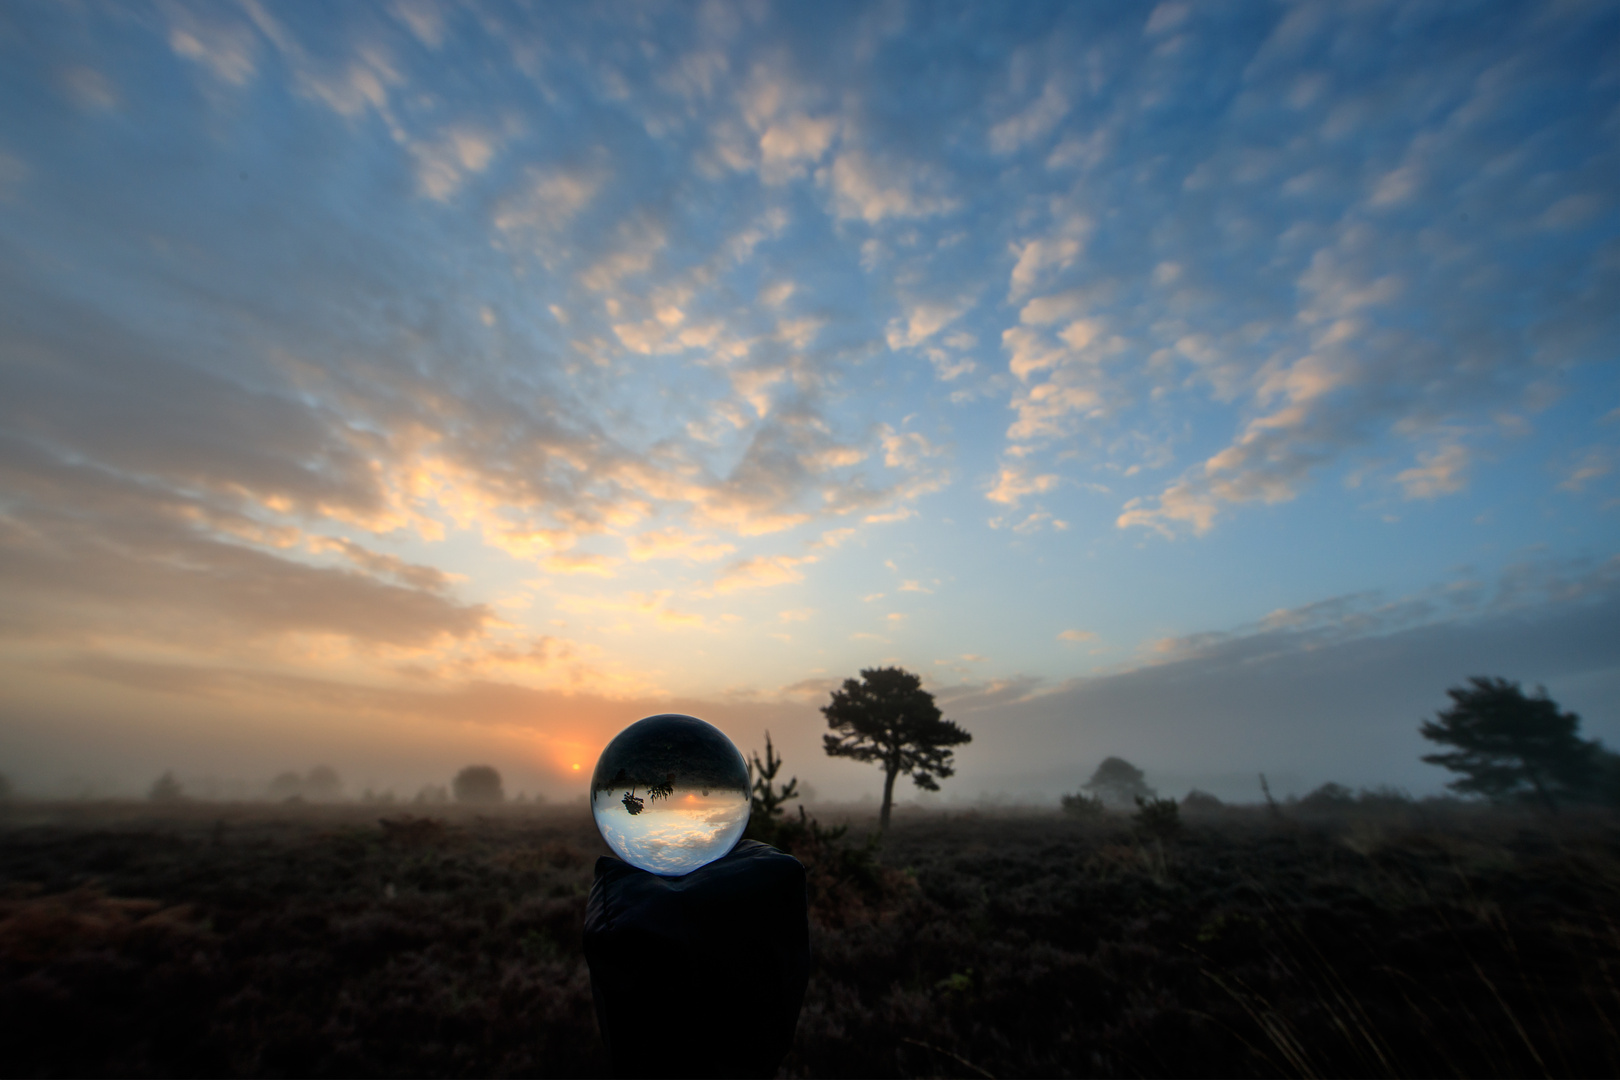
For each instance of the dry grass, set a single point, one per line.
(1395, 939)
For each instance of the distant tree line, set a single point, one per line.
(475, 785)
(1504, 746)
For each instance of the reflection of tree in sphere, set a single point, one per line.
(696, 802)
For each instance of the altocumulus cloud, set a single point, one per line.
(339, 337)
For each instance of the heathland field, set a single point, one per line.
(1382, 938)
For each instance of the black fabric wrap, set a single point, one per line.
(700, 975)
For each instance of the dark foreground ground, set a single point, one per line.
(1405, 939)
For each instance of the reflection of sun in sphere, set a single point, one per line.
(670, 793)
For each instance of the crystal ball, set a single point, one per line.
(670, 794)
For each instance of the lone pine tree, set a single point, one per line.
(887, 717)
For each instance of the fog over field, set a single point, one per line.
(400, 386)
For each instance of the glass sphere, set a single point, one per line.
(670, 794)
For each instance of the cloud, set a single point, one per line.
(88, 88)
(1180, 503)
(580, 563)
(1301, 698)
(1167, 16)
(1441, 473)
(761, 572)
(923, 321)
(1595, 463)
(1023, 128)
(1013, 485)
(907, 449)
(90, 553)
(383, 565)
(654, 605)
(791, 143)
(547, 199)
(363, 84)
(1077, 635)
(424, 18)
(673, 543)
(864, 188)
(1045, 310)
(227, 49)
(12, 174)
(443, 164)
(1036, 256)
(424, 323)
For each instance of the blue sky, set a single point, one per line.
(388, 382)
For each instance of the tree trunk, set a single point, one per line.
(1542, 792)
(888, 799)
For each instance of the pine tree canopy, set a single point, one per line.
(1507, 745)
(889, 718)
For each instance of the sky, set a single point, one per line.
(407, 385)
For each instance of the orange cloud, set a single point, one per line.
(581, 563)
(763, 572)
(672, 543)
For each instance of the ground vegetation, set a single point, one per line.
(1376, 937)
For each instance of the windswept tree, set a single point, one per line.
(887, 717)
(1509, 746)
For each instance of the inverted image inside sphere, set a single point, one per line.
(670, 794)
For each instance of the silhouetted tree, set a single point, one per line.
(1509, 746)
(766, 799)
(479, 784)
(1200, 802)
(1118, 783)
(889, 718)
(323, 784)
(166, 789)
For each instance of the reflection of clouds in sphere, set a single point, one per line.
(670, 793)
